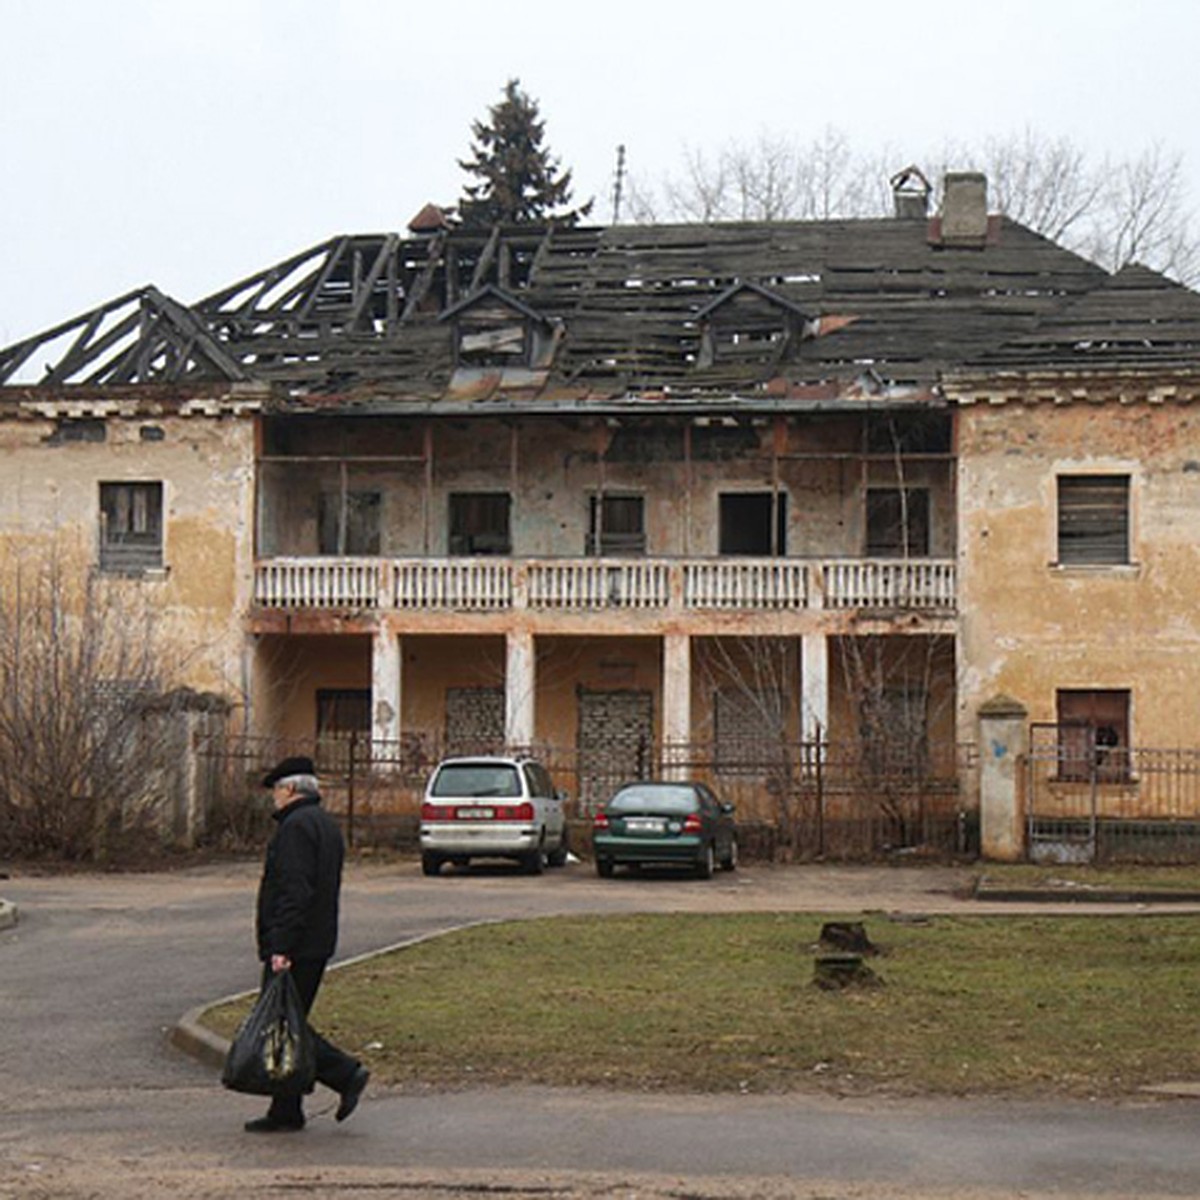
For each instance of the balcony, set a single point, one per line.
(748, 585)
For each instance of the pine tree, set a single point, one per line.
(518, 177)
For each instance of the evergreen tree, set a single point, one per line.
(518, 177)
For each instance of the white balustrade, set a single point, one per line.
(753, 584)
(590, 584)
(318, 582)
(593, 583)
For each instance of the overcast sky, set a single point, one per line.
(189, 143)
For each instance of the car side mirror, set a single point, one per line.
(727, 809)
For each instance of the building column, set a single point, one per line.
(520, 680)
(814, 687)
(676, 702)
(385, 691)
(1003, 734)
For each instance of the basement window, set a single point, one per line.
(1093, 520)
(1093, 735)
(131, 527)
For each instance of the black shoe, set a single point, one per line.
(352, 1094)
(270, 1124)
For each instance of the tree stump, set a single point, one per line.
(832, 972)
(846, 937)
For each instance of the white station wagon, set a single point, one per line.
(492, 807)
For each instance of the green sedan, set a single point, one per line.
(665, 824)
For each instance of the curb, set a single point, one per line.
(1082, 895)
(191, 1037)
(8, 914)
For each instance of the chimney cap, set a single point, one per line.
(910, 193)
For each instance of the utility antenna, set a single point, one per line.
(618, 184)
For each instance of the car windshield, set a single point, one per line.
(661, 798)
(476, 779)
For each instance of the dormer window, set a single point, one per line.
(748, 324)
(495, 330)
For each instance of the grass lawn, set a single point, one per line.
(1078, 1006)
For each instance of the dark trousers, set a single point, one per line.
(335, 1068)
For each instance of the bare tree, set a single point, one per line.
(80, 658)
(1115, 210)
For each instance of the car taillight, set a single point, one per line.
(437, 812)
(600, 821)
(691, 823)
(513, 812)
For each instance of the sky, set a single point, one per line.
(191, 143)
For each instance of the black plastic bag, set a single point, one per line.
(272, 1053)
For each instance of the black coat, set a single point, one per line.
(302, 876)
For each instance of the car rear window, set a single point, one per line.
(476, 779)
(658, 799)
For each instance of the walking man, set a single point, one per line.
(297, 924)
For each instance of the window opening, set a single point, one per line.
(616, 526)
(897, 522)
(480, 523)
(353, 529)
(1093, 519)
(131, 526)
(746, 525)
(1093, 734)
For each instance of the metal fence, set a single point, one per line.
(793, 800)
(1088, 801)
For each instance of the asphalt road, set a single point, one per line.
(94, 1103)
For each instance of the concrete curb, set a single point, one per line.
(190, 1036)
(1083, 894)
(8, 914)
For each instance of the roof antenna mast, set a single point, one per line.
(618, 184)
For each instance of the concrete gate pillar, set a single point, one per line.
(677, 703)
(520, 679)
(385, 692)
(1003, 742)
(814, 687)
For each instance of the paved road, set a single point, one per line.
(93, 1103)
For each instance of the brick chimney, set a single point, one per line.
(964, 209)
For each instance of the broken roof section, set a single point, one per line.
(629, 307)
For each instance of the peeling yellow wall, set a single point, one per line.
(50, 496)
(1030, 627)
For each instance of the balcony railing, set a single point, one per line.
(591, 584)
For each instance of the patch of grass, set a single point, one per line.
(1072, 1006)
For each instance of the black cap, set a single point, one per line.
(296, 765)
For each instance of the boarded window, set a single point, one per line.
(479, 523)
(1093, 734)
(746, 525)
(616, 525)
(897, 522)
(131, 527)
(348, 522)
(474, 720)
(1093, 519)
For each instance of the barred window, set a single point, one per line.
(1093, 519)
(1093, 734)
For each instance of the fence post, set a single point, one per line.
(351, 770)
(1003, 740)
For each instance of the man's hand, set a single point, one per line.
(280, 962)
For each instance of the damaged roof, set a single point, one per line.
(757, 309)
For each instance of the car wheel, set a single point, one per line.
(730, 861)
(431, 864)
(533, 862)
(706, 862)
(558, 856)
(604, 868)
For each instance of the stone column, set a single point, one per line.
(677, 700)
(385, 692)
(1003, 743)
(520, 680)
(814, 688)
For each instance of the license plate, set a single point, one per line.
(476, 814)
(644, 824)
